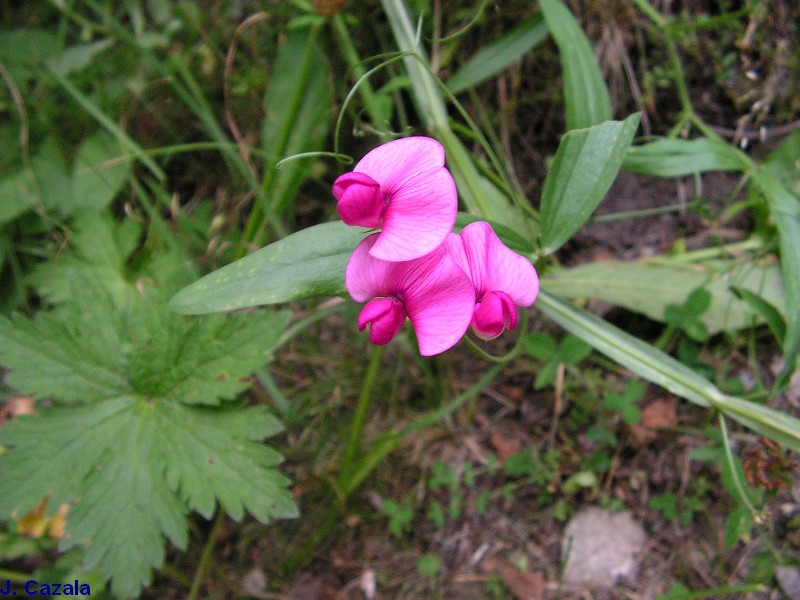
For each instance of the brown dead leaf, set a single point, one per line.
(16, 405)
(58, 522)
(34, 524)
(505, 446)
(524, 586)
(656, 415)
(660, 413)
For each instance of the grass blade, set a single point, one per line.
(585, 92)
(499, 54)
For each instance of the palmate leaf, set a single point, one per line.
(126, 444)
(132, 467)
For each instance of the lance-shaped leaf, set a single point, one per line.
(649, 288)
(661, 369)
(305, 264)
(585, 92)
(669, 157)
(495, 56)
(586, 163)
(785, 208)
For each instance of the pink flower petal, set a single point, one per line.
(394, 162)
(360, 200)
(439, 300)
(420, 214)
(495, 267)
(494, 314)
(385, 317)
(366, 277)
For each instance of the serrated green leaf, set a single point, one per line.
(585, 165)
(17, 195)
(101, 250)
(668, 157)
(203, 360)
(66, 362)
(23, 51)
(52, 178)
(495, 56)
(131, 468)
(585, 92)
(305, 264)
(96, 179)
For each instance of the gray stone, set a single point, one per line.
(601, 547)
(789, 580)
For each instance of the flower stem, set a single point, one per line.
(205, 557)
(359, 418)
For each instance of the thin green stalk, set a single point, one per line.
(208, 552)
(255, 228)
(726, 443)
(390, 441)
(384, 446)
(107, 123)
(511, 354)
(14, 576)
(357, 67)
(720, 591)
(360, 417)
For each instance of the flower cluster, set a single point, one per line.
(414, 266)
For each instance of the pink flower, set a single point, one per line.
(432, 291)
(502, 278)
(403, 189)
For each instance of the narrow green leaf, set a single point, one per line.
(78, 57)
(109, 125)
(585, 165)
(308, 263)
(650, 288)
(775, 425)
(585, 92)
(667, 157)
(663, 370)
(297, 113)
(771, 315)
(629, 351)
(492, 58)
(785, 208)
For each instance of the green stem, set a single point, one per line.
(14, 576)
(255, 228)
(359, 418)
(357, 67)
(208, 552)
(726, 443)
(720, 591)
(385, 445)
(390, 441)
